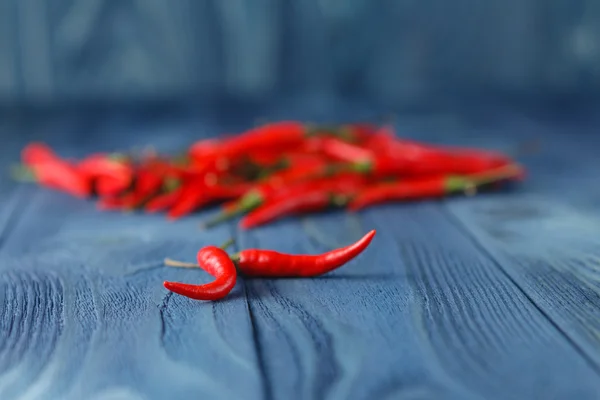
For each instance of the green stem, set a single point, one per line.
(179, 264)
(227, 244)
(247, 203)
(470, 183)
(22, 173)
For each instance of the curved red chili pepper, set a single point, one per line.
(268, 263)
(217, 263)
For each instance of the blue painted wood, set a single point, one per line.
(423, 314)
(552, 252)
(444, 304)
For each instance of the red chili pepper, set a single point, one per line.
(316, 196)
(286, 181)
(431, 162)
(110, 175)
(268, 263)
(203, 149)
(296, 182)
(340, 150)
(430, 187)
(163, 201)
(36, 152)
(192, 197)
(275, 135)
(395, 156)
(147, 183)
(363, 131)
(112, 185)
(56, 174)
(217, 263)
(196, 194)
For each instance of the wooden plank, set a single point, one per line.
(551, 251)
(424, 313)
(83, 312)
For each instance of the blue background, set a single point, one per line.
(402, 52)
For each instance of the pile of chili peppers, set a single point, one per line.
(259, 263)
(273, 171)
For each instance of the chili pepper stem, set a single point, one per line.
(22, 173)
(227, 244)
(247, 203)
(179, 264)
(235, 259)
(469, 184)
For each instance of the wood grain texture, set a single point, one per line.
(463, 300)
(423, 314)
(83, 313)
(94, 320)
(552, 252)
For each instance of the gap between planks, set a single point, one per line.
(464, 229)
(264, 380)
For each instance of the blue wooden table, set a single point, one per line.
(491, 297)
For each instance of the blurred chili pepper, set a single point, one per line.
(37, 152)
(109, 173)
(196, 194)
(429, 162)
(55, 174)
(289, 181)
(163, 201)
(340, 150)
(206, 148)
(42, 165)
(430, 187)
(191, 197)
(316, 196)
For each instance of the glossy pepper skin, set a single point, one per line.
(269, 263)
(216, 262)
